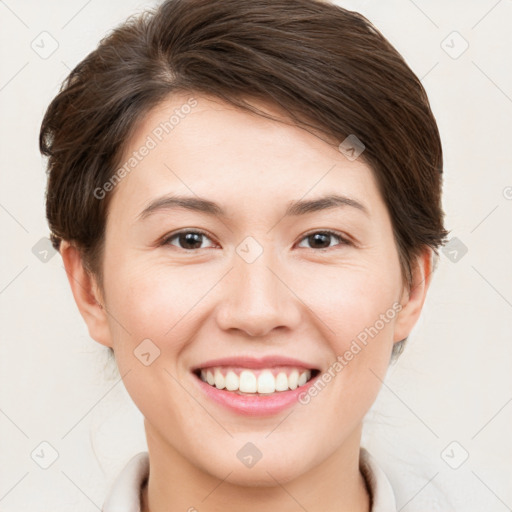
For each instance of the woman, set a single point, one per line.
(262, 129)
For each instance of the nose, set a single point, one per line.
(257, 298)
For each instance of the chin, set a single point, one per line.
(273, 466)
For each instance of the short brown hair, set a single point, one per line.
(326, 66)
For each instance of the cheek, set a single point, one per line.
(358, 307)
(352, 298)
(155, 301)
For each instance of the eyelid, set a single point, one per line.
(344, 238)
(168, 236)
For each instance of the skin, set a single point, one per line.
(296, 299)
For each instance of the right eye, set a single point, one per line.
(188, 239)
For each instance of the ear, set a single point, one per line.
(412, 300)
(87, 294)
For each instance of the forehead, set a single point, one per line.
(202, 146)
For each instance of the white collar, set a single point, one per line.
(125, 493)
(381, 492)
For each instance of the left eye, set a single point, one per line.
(191, 240)
(320, 237)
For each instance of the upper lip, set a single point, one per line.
(254, 362)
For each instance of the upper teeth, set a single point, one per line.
(261, 381)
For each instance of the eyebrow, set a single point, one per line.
(301, 207)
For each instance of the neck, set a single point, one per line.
(174, 483)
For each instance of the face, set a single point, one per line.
(258, 290)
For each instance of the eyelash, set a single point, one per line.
(343, 240)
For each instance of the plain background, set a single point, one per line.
(448, 397)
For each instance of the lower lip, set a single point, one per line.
(254, 405)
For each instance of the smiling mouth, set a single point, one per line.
(265, 381)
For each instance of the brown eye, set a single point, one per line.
(188, 240)
(321, 239)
